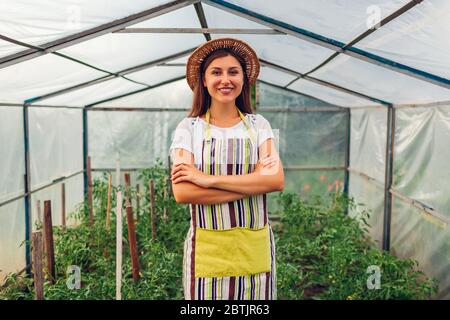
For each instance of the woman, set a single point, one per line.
(225, 162)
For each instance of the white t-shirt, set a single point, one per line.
(191, 131)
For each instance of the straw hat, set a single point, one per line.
(236, 46)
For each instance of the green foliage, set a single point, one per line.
(321, 252)
(92, 248)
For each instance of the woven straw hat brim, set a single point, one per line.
(239, 47)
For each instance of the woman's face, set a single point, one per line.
(224, 79)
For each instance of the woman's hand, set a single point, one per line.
(189, 172)
(267, 162)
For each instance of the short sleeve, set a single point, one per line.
(264, 130)
(182, 137)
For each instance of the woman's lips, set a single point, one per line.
(225, 90)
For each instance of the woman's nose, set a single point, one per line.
(225, 79)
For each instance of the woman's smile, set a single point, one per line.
(225, 90)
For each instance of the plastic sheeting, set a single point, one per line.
(139, 137)
(157, 75)
(174, 95)
(271, 96)
(380, 83)
(420, 173)
(118, 51)
(56, 150)
(56, 145)
(422, 156)
(331, 19)
(369, 197)
(12, 234)
(416, 235)
(12, 170)
(38, 23)
(334, 19)
(181, 18)
(12, 164)
(286, 51)
(7, 48)
(368, 142)
(42, 75)
(368, 156)
(329, 95)
(218, 18)
(302, 145)
(274, 76)
(418, 38)
(95, 93)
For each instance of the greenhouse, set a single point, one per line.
(356, 92)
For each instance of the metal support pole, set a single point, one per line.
(347, 156)
(202, 19)
(204, 30)
(388, 178)
(253, 97)
(85, 151)
(27, 187)
(257, 95)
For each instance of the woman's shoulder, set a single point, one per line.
(188, 122)
(256, 119)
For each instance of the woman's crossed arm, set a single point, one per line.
(267, 177)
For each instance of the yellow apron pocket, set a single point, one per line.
(233, 252)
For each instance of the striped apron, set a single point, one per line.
(231, 156)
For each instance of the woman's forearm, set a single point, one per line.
(268, 175)
(249, 184)
(187, 192)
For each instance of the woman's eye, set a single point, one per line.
(218, 72)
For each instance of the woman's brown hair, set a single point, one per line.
(202, 99)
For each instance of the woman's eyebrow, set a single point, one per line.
(233, 67)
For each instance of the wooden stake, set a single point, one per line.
(169, 168)
(165, 206)
(169, 182)
(137, 201)
(63, 205)
(48, 240)
(119, 246)
(41, 222)
(39, 215)
(117, 169)
(108, 208)
(131, 230)
(37, 266)
(89, 177)
(152, 209)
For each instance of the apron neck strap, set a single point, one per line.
(208, 127)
